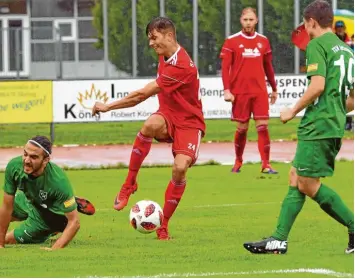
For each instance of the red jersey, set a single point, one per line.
(247, 73)
(180, 90)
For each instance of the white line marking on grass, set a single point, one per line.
(213, 205)
(319, 271)
(232, 204)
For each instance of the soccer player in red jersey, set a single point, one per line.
(246, 60)
(179, 118)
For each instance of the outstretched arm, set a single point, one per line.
(131, 100)
(70, 230)
(314, 90)
(5, 216)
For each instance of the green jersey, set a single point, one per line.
(329, 57)
(51, 193)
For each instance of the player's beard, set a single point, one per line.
(249, 30)
(31, 169)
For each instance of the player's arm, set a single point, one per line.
(131, 100)
(314, 90)
(70, 230)
(5, 216)
(350, 101)
(227, 58)
(270, 74)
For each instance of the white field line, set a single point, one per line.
(319, 271)
(212, 205)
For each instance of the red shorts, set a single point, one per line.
(185, 140)
(246, 104)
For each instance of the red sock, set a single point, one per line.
(264, 144)
(173, 195)
(140, 150)
(240, 139)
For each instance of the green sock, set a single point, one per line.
(333, 205)
(290, 208)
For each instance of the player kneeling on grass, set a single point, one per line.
(330, 69)
(179, 119)
(38, 192)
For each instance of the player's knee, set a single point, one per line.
(151, 128)
(261, 123)
(10, 238)
(242, 125)
(293, 177)
(308, 185)
(181, 164)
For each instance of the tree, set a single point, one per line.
(278, 25)
(119, 32)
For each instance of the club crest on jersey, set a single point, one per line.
(260, 45)
(251, 53)
(43, 195)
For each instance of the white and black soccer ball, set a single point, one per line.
(146, 216)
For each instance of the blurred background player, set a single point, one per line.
(246, 59)
(179, 118)
(340, 31)
(330, 73)
(39, 193)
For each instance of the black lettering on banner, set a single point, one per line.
(69, 110)
(211, 92)
(117, 95)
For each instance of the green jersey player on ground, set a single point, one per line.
(330, 71)
(37, 192)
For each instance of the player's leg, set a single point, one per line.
(314, 159)
(291, 207)
(241, 114)
(156, 126)
(260, 109)
(185, 149)
(323, 153)
(19, 213)
(28, 232)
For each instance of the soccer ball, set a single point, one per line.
(146, 216)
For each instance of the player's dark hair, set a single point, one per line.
(249, 9)
(321, 11)
(160, 24)
(43, 142)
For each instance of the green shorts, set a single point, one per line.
(316, 158)
(33, 229)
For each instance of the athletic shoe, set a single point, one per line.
(267, 246)
(122, 197)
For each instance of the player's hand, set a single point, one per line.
(2, 247)
(287, 114)
(228, 96)
(46, 248)
(273, 97)
(99, 107)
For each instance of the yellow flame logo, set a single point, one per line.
(88, 99)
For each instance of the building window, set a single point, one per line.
(86, 30)
(87, 52)
(84, 7)
(43, 52)
(66, 28)
(42, 30)
(52, 8)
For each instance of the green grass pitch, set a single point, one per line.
(219, 211)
